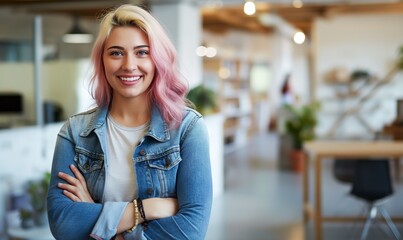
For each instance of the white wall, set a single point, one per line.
(215, 129)
(368, 42)
(300, 72)
(65, 82)
(25, 154)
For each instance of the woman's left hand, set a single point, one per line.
(76, 187)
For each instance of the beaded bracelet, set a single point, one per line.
(142, 214)
(136, 216)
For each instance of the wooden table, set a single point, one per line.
(318, 151)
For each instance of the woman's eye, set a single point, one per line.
(116, 53)
(142, 53)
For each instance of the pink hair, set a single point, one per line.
(167, 90)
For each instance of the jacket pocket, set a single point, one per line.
(165, 162)
(88, 162)
(90, 165)
(162, 168)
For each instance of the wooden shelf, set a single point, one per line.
(235, 100)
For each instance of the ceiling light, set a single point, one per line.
(201, 51)
(299, 37)
(77, 35)
(211, 52)
(249, 7)
(297, 3)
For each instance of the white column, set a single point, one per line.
(215, 127)
(182, 21)
(38, 70)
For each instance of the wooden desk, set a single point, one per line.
(320, 150)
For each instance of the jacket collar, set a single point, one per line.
(97, 120)
(158, 127)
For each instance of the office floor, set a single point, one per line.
(261, 202)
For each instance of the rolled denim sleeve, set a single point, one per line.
(108, 221)
(194, 189)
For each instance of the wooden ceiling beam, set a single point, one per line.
(303, 18)
(365, 8)
(234, 19)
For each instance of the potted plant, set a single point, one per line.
(203, 99)
(300, 125)
(35, 214)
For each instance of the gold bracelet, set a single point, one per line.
(136, 216)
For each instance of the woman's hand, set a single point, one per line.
(76, 187)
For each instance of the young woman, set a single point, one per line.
(137, 166)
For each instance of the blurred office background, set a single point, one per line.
(255, 60)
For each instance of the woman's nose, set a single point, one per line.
(129, 64)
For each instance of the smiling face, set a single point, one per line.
(128, 66)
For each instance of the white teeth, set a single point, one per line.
(129, 78)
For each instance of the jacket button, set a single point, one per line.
(86, 166)
(150, 191)
(167, 163)
(142, 152)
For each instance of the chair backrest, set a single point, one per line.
(372, 179)
(343, 170)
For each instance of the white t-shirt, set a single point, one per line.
(120, 181)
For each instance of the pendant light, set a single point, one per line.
(299, 37)
(77, 34)
(249, 7)
(297, 3)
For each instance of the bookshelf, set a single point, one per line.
(230, 79)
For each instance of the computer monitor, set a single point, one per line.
(11, 104)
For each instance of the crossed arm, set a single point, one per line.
(75, 189)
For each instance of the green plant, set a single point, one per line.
(204, 99)
(301, 123)
(37, 191)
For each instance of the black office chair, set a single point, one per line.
(343, 170)
(372, 183)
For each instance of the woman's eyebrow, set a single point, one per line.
(118, 47)
(141, 46)
(122, 48)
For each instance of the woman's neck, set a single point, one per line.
(130, 113)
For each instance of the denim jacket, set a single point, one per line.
(168, 163)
